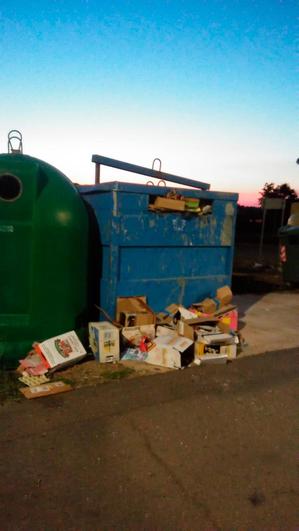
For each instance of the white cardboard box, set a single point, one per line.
(104, 341)
(168, 351)
(165, 357)
(62, 350)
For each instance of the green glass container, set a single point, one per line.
(43, 256)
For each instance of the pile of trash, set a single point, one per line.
(175, 202)
(45, 358)
(207, 332)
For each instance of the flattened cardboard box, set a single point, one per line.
(52, 388)
(164, 356)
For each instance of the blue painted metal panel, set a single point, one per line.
(169, 257)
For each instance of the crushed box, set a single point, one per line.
(171, 351)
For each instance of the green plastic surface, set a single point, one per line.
(43, 258)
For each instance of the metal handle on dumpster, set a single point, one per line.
(126, 166)
(161, 181)
(160, 164)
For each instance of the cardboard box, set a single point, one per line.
(214, 359)
(133, 311)
(134, 334)
(230, 320)
(224, 309)
(188, 327)
(206, 306)
(104, 341)
(62, 350)
(171, 351)
(173, 309)
(218, 339)
(224, 296)
(52, 388)
(216, 344)
(229, 350)
(165, 331)
(164, 357)
(169, 204)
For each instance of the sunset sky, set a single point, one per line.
(210, 87)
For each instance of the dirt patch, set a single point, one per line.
(9, 386)
(84, 374)
(90, 372)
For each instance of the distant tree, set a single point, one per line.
(284, 191)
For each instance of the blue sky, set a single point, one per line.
(210, 87)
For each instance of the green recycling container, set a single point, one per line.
(44, 256)
(289, 253)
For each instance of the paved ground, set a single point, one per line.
(269, 321)
(211, 447)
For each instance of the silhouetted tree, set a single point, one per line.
(283, 191)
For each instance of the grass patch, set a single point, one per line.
(67, 381)
(9, 386)
(118, 375)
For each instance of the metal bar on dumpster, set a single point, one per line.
(120, 165)
(97, 174)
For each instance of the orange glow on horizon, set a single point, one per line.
(248, 199)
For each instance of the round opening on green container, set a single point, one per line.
(10, 187)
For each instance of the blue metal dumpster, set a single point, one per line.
(170, 257)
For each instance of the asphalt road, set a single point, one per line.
(201, 449)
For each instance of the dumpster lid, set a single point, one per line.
(149, 172)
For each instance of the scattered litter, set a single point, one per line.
(52, 388)
(135, 335)
(61, 350)
(175, 202)
(134, 354)
(104, 341)
(206, 332)
(32, 381)
(214, 358)
(34, 364)
(197, 361)
(45, 358)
